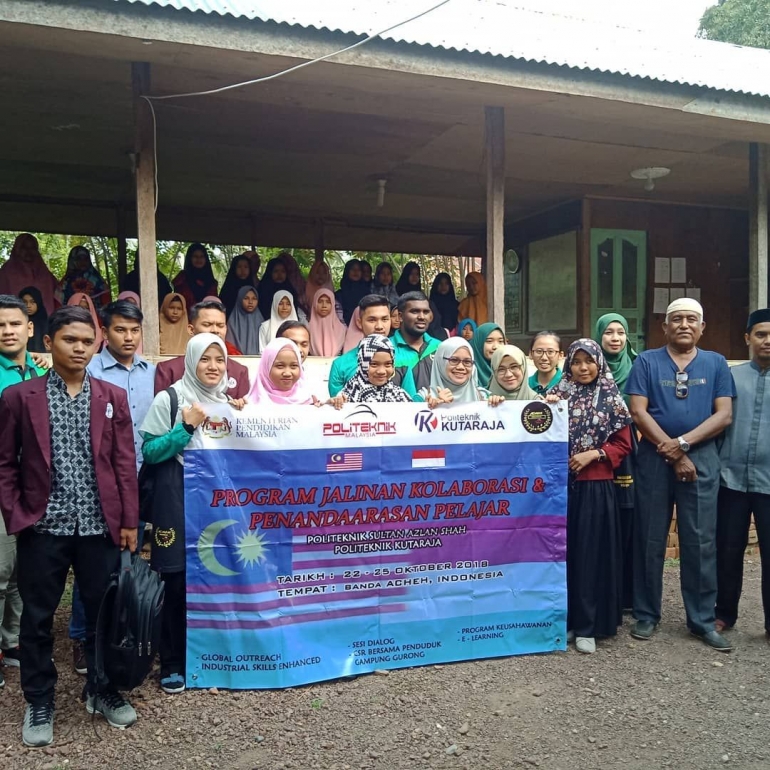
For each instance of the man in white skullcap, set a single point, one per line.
(681, 400)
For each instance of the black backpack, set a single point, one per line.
(128, 627)
(150, 475)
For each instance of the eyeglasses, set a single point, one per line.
(540, 352)
(682, 390)
(513, 369)
(467, 363)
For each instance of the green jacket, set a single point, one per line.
(11, 374)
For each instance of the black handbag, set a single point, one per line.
(149, 473)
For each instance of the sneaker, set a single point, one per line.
(643, 629)
(10, 657)
(172, 684)
(37, 729)
(585, 644)
(113, 707)
(79, 657)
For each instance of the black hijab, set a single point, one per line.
(403, 285)
(268, 287)
(233, 284)
(39, 320)
(350, 292)
(445, 303)
(199, 279)
(435, 329)
(131, 282)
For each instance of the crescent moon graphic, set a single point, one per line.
(336, 458)
(206, 552)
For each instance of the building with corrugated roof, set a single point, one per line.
(499, 131)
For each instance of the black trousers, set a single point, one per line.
(733, 520)
(173, 630)
(43, 563)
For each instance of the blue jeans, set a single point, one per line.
(78, 616)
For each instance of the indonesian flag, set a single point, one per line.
(428, 458)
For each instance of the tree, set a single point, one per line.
(743, 22)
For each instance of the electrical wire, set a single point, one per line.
(149, 99)
(303, 64)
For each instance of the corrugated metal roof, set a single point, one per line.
(502, 29)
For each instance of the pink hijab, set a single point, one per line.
(264, 392)
(327, 335)
(74, 301)
(319, 270)
(353, 335)
(132, 296)
(17, 273)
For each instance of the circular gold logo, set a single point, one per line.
(536, 417)
(164, 538)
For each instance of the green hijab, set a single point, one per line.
(619, 363)
(483, 367)
(523, 392)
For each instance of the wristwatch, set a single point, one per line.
(683, 445)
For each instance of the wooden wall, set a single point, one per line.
(715, 243)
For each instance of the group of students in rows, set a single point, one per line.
(255, 305)
(75, 503)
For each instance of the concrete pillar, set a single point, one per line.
(494, 120)
(144, 147)
(757, 226)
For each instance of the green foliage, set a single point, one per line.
(104, 251)
(743, 22)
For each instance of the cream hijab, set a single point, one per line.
(523, 392)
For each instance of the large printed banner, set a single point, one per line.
(323, 543)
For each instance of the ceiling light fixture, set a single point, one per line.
(650, 174)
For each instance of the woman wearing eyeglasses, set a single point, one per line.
(453, 378)
(681, 400)
(545, 353)
(509, 375)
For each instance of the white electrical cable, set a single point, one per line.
(150, 99)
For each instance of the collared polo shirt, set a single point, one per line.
(538, 388)
(653, 376)
(139, 383)
(745, 448)
(11, 373)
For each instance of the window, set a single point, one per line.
(552, 283)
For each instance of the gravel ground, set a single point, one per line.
(671, 702)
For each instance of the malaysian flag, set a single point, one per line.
(344, 461)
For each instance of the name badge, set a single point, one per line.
(109, 411)
(231, 383)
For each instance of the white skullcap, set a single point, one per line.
(688, 304)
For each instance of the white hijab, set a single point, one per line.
(189, 389)
(269, 329)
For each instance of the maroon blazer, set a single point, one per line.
(171, 371)
(25, 455)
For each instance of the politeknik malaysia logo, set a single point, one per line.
(362, 422)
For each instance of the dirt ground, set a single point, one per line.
(671, 702)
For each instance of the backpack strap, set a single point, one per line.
(173, 404)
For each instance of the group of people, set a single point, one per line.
(256, 307)
(673, 422)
